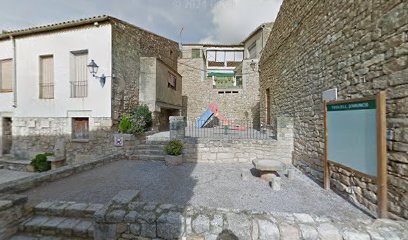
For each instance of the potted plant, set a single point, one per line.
(174, 152)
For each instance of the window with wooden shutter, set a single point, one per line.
(80, 128)
(79, 82)
(47, 77)
(6, 75)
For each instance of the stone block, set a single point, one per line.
(115, 216)
(201, 224)
(173, 160)
(308, 232)
(328, 231)
(105, 231)
(291, 173)
(267, 230)
(148, 230)
(125, 197)
(276, 183)
(239, 224)
(5, 204)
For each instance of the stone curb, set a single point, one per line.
(167, 221)
(52, 175)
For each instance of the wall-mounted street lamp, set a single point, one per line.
(93, 69)
(252, 65)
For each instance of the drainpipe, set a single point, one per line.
(13, 41)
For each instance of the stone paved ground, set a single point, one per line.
(8, 175)
(212, 185)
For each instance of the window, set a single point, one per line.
(47, 77)
(252, 50)
(79, 78)
(195, 53)
(80, 128)
(172, 81)
(6, 75)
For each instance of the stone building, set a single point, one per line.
(47, 92)
(360, 48)
(223, 74)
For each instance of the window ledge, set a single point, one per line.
(80, 140)
(6, 91)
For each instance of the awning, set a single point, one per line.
(218, 74)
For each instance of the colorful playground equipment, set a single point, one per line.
(214, 111)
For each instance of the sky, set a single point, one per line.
(209, 21)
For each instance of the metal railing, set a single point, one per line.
(226, 129)
(79, 89)
(46, 90)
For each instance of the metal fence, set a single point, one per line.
(46, 90)
(217, 129)
(79, 89)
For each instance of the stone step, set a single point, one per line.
(150, 157)
(67, 209)
(22, 236)
(17, 165)
(150, 152)
(146, 146)
(58, 227)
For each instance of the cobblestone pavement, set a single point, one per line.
(211, 185)
(9, 175)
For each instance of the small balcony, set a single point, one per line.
(226, 82)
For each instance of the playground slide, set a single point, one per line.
(204, 118)
(213, 111)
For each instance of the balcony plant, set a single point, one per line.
(174, 152)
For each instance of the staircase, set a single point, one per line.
(150, 151)
(59, 220)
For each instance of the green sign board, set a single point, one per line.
(352, 135)
(370, 104)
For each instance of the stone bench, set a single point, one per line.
(268, 168)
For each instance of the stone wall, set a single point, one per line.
(236, 150)
(358, 47)
(129, 43)
(12, 210)
(241, 150)
(198, 92)
(38, 135)
(127, 218)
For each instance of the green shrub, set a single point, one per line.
(174, 148)
(40, 163)
(141, 120)
(125, 124)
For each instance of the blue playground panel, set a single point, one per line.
(204, 118)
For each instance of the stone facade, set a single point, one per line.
(39, 135)
(128, 218)
(360, 48)
(198, 92)
(130, 43)
(38, 132)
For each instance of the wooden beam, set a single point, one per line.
(326, 176)
(382, 197)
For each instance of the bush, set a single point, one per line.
(40, 163)
(125, 125)
(141, 120)
(174, 148)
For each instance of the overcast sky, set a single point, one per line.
(217, 21)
